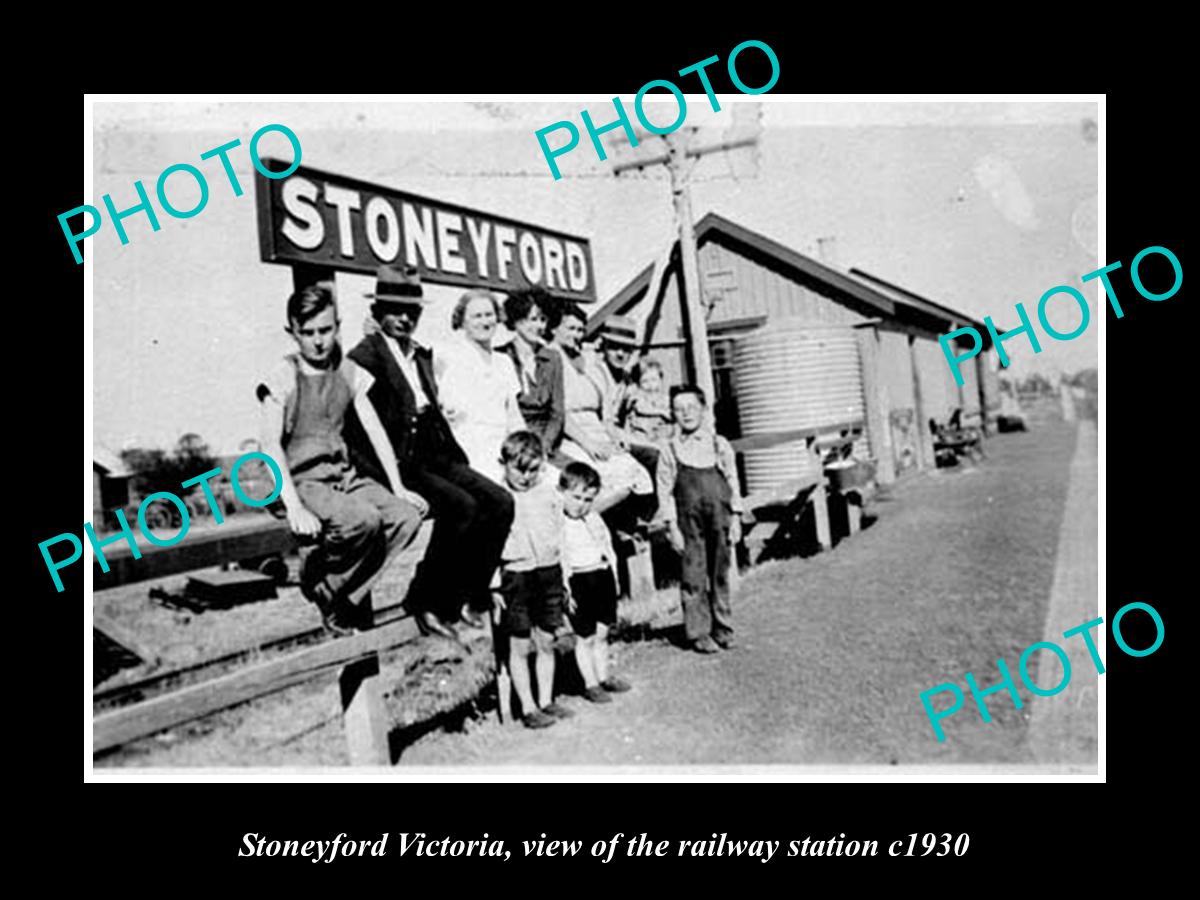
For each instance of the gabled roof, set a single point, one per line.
(867, 293)
(922, 303)
(714, 227)
(108, 463)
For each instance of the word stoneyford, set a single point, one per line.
(1085, 314)
(622, 120)
(145, 206)
(126, 533)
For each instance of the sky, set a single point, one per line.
(977, 206)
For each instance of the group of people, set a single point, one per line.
(527, 455)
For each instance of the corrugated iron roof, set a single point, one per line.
(879, 297)
(917, 301)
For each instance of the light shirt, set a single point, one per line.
(536, 537)
(702, 449)
(587, 544)
(280, 380)
(408, 366)
(478, 392)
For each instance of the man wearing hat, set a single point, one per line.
(618, 348)
(472, 515)
(618, 344)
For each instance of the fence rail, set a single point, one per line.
(129, 712)
(128, 723)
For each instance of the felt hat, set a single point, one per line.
(621, 331)
(397, 284)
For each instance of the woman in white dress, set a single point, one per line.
(587, 437)
(478, 385)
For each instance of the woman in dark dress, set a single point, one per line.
(539, 367)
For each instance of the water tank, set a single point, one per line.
(794, 374)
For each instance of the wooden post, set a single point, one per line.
(503, 678)
(362, 709)
(676, 158)
(981, 377)
(820, 498)
(690, 288)
(363, 714)
(925, 457)
(639, 568)
(854, 511)
(879, 428)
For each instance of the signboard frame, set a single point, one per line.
(329, 254)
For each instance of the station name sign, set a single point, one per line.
(321, 219)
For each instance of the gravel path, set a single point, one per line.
(835, 649)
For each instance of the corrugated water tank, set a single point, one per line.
(794, 374)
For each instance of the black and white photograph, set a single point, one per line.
(724, 436)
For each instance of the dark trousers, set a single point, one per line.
(647, 455)
(471, 519)
(702, 501)
(363, 525)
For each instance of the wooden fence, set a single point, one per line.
(125, 714)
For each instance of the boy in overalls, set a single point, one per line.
(701, 504)
(350, 526)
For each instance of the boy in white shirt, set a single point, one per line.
(591, 566)
(532, 586)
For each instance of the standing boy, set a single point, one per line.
(591, 565)
(532, 589)
(701, 504)
(351, 526)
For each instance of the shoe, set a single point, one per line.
(537, 719)
(557, 710)
(597, 694)
(726, 641)
(363, 615)
(316, 591)
(705, 645)
(615, 685)
(429, 624)
(472, 619)
(341, 619)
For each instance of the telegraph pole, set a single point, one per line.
(680, 168)
(680, 159)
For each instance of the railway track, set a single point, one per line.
(174, 679)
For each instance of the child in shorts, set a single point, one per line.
(591, 564)
(532, 590)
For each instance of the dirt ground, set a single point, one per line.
(836, 649)
(834, 652)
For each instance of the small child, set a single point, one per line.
(701, 503)
(532, 588)
(591, 564)
(647, 409)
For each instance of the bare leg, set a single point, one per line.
(544, 665)
(518, 670)
(583, 657)
(599, 642)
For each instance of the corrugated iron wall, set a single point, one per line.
(794, 374)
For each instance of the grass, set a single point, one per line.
(835, 650)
